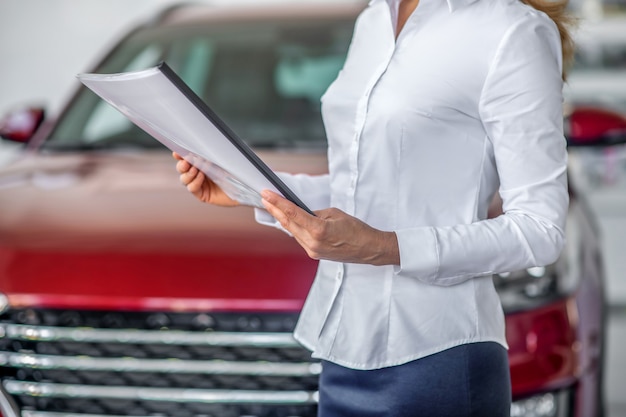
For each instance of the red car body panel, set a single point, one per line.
(100, 243)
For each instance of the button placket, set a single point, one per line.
(339, 274)
(360, 125)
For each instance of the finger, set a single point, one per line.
(290, 216)
(281, 217)
(183, 166)
(189, 176)
(275, 199)
(177, 156)
(196, 184)
(280, 203)
(303, 235)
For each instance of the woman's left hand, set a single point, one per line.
(332, 234)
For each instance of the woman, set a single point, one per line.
(438, 106)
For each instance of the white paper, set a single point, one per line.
(154, 103)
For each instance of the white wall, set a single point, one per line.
(45, 43)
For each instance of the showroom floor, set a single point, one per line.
(615, 383)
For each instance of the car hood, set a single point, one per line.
(103, 230)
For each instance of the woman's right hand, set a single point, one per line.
(200, 186)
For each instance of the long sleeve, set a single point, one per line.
(521, 111)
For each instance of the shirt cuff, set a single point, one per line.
(419, 254)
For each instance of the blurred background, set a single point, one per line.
(45, 43)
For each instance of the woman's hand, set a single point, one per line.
(200, 186)
(333, 234)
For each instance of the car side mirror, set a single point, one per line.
(592, 126)
(20, 125)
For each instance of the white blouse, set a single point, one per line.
(422, 131)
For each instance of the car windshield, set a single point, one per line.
(265, 80)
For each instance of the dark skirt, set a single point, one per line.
(467, 380)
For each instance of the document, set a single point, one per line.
(159, 102)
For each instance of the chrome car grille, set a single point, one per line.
(93, 364)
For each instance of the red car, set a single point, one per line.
(124, 296)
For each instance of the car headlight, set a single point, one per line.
(550, 404)
(526, 289)
(533, 287)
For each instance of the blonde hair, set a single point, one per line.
(564, 20)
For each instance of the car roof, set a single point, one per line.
(189, 14)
